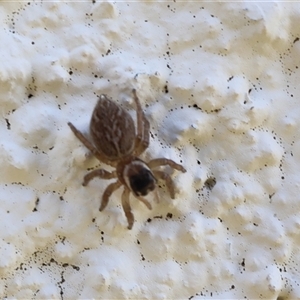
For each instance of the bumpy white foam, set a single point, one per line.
(219, 83)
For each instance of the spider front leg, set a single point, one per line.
(168, 180)
(88, 144)
(146, 202)
(163, 162)
(127, 208)
(98, 173)
(143, 127)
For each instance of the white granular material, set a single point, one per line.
(219, 83)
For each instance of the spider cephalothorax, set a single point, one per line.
(115, 142)
(139, 178)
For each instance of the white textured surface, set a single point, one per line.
(219, 83)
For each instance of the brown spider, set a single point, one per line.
(115, 143)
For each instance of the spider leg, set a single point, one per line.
(127, 208)
(146, 202)
(157, 199)
(88, 144)
(163, 162)
(143, 126)
(167, 178)
(108, 191)
(98, 173)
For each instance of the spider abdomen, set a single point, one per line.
(112, 130)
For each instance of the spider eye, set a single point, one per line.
(142, 183)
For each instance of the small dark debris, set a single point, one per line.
(108, 51)
(36, 204)
(59, 283)
(243, 262)
(157, 217)
(196, 106)
(75, 267)
(169, 215)
(29, 96)
(210, 183)
(230, 78)
(7, 124)
(166, 89)
(62, 281)
(296, 40)
(149, 220)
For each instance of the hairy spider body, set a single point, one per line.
(108, 124)
(115, 142)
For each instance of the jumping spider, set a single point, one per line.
(115, 143)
